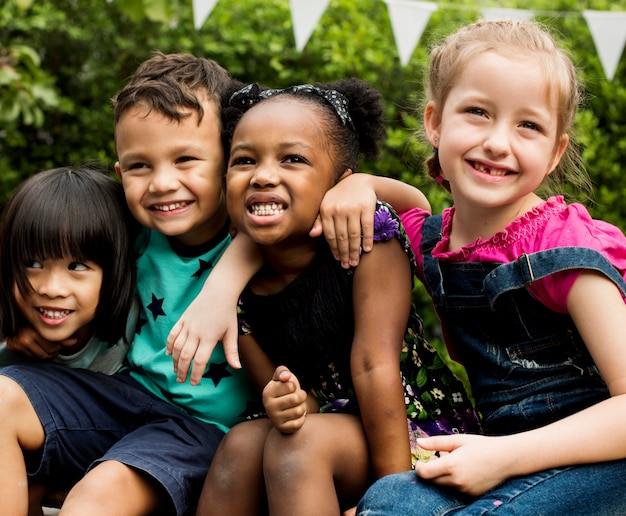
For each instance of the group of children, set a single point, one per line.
(340, 401)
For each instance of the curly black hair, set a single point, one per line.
(361, 137)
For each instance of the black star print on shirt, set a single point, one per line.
(141, 322)
(217, 372)
(204, 265)
(156, 306)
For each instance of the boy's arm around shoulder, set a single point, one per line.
(347, 212)
(212, 315)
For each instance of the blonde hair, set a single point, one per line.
(515, 39)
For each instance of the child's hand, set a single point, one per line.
(285, 401)
(197, 332)
(30, 344)
(347, 219)
(472, 464)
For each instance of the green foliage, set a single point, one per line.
(62, 60)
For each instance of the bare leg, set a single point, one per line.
(114, 488)
(20, 429)
(234, 484)
(321, 469)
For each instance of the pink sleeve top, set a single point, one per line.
(551, 224)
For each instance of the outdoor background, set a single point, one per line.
(61, 61)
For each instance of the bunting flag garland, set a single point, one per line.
(409, 19)
(608, 30)
(201, 11)
(496, 13)
(305, 15)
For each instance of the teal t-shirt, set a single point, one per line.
(167, 282)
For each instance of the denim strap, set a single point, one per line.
(433, 279)
(529, 268)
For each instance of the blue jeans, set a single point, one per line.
(598, 489)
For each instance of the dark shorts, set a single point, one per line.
(89, 417)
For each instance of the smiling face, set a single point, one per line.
(64, 298)
(280, 167)
(497, 132)
(172, 172)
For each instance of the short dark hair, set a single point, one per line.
(75, 212)
(166, 82)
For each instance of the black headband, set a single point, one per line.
(252, 94)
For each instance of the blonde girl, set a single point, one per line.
(530, 290)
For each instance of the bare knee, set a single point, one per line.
(114, 488)
(289, 456)
(239, 455)
(238, 461)
(18, 417)
(330, 450)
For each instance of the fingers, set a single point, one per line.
(316, 230)
(192, 351)
(172, 337)
(29, 343)
(283, 374)
(442, 443)
(230, 342)
(367, 228)
(285, 401)
(343, 235)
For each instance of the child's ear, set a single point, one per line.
(432, 123)
(118, 169)
(345, 174)
(559, 151)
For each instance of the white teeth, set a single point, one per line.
(54, 314)
(170, 207)
(490, 171)
(270, 208)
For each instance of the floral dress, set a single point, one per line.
(309, 327)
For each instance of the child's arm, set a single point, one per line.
(29, 343)
(595, 434)
(212, 315)
(382, 301)
(285, 402)
(347, 212)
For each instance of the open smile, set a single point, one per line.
(170, 207)
(264, 209)
(498, 172)
(54, 314)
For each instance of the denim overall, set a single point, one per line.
(528, 365)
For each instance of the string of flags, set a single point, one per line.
(410, 17)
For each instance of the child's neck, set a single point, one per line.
(472, 222)
(283, 264)
(81, 338)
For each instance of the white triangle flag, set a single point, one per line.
(496, 13)
(201, 11)
(304, 15)
(608, 30)
(408, 20)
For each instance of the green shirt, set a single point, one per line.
(166, 283)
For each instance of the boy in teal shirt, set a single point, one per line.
(138, 441)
